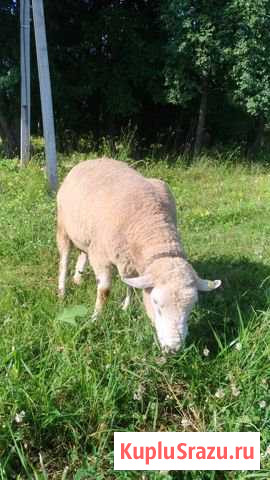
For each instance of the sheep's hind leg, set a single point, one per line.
(80, 265)
(125, 304)
(104, 280)
(63, 243)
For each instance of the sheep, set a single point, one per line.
(117, 217)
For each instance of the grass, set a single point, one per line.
(66, 384)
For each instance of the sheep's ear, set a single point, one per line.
(144, 281)
(207, 285)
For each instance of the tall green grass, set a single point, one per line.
(67, 384)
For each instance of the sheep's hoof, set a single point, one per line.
(61, 294)
(161, 360)
(94, 316)
(77, 279)
(125, 304)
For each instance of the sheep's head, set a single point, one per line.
(169, 295)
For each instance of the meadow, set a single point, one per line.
(67, 384)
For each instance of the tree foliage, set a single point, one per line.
(9, 76)
(178, 69)
(250, 55)
(195, 46)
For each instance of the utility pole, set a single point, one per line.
(25, 80)
(45, 92)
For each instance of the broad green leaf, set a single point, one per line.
(69, 314)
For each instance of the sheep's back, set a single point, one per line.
(98, 197)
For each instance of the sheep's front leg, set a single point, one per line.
(80, 265)
(125, 304)
(104, 280)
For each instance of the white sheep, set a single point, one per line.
(117, 217)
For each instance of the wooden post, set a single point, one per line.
(45, 92)
(25, 81)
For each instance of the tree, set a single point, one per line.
(9, 77)
(250, 71)
(195, 54)
(159, 64)
(105, 60)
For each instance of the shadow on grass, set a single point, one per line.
(245, 289)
